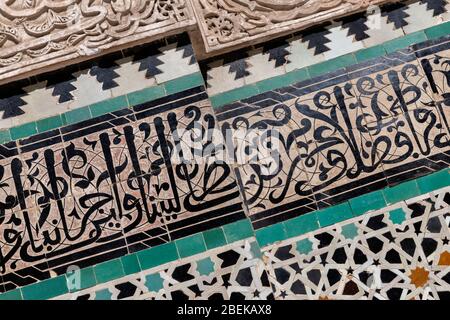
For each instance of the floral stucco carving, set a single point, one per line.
(229, 23)
(38, 35)
(35, 34)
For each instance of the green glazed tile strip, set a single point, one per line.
(49, 123)
(15, 294)
(434, 181)
(109, 270)
(302, 225)
(159, 255)
(438, 31)
(87, 279)
(234, 95)
(370, 53)
(77, 115)
(23, 131)
(191, 245)
(98, 109)
(130, 264)
(238, 230)
(280, 81)
(145, 95)
(335, 214)
(184, 83)
(45, 289)
(332, 65)
(214, 238)
(405, 41)
(370, 201)
(325, 67)
(5, 136)
(110, 105)
(406, 190)
(271, 234)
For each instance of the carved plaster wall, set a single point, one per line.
(37, 35)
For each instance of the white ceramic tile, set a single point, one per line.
(88, 91)
(40, 104)
(300, 56)
(420, 18)
(220, 79)
(260, 67)
(174, 65)
(380, 30)
(130, 77)
(341, 43)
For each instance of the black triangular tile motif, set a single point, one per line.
(438, 6)
(278, 51)
(396, 13)
(316, 38)
(62, 83)
(104, 71)
(11, 102)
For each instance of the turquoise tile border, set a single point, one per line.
(131, 264)
(77, 115)
(15, 294)
(184, 83)
(328, 66)
(45, 289)
(368, 202)
(234, 95)
(405, 41)
(23, 131)
(87, 279)
(271, 234)
(335, 214)
(238, 230)
(335, 64)
(438, 31)
(98, 109)
(370, 53)
(191, 245)
(145, 95)
(5, 136)
(214, 238)
(109, 105)
(109, 270)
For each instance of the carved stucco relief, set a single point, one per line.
(35, 34)
(230, 23)
(38, 35)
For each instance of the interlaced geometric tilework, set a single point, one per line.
(232, 272)
(399, 252)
